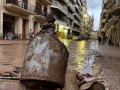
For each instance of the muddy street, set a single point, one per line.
(84, 58)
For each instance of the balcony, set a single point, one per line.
(106, 1)
(77, 7)
(109, 5)
(75, 14)
(73, 1)
(103, 20)
(116, 7)
(105, 4)
(104, 10)
(82, 2)
(102, 29)
(112, 20)
(20, 7)
(77, 29)
(63, 1)
(58, 7)
(46, 2)
(66, 1)
(106, 15)
(60, 22)
(70, 16)
(41, 14)
(77, 23)
(108, 11)
(71, 7)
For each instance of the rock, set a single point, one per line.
(70, 80)
(92, 86)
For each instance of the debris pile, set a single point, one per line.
(15, 73)
(49, 26)
(87, 82)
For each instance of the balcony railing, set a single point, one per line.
(67, 1)
(77, 16)
(104, 10)
(42, 12)
(71, 16)
(71, 6)
(21, 4)
(56, 3)
(103, 29)
(51, 1)
(78, 23)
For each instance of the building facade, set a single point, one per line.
(19, 16)
(84, 21)
(110, 22)
(90, 25)
(68, 14)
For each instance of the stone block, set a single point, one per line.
(70, 80)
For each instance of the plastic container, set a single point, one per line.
(112, 43)
(10, 38)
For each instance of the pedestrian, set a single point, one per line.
(88, 59)
(37, 33)
(110, 38)
(99, 39)
(30, 33)
(103, 38)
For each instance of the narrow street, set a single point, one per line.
(84, 57)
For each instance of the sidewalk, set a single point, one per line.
(7, 42)
(109, 65)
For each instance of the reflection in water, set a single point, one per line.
(66, 42)
(80, 51)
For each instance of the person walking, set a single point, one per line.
(103, 38)
(110, 38)
(33, 35)
(30, 34)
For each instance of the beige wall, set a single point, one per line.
(30, 19)
(84, 19)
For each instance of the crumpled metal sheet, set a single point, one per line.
(45, 60)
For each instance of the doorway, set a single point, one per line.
(26, 4)
(8, 24)
(36, 28)
(114, 36)
(45, 11)
(38, 8)
(23, 29)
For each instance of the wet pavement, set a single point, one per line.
(84, 57)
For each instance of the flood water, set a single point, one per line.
(80, 51)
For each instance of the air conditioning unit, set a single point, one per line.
(21, 4)
(33, 9)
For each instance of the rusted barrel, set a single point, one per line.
(45, 62)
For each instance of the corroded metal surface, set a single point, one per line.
(45, 60)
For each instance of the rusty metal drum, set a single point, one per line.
(45, 62)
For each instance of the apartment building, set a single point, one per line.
(84, 20)
(68, 14)
(109, 24)
(19, 16)
(103, 19)
(90, 24)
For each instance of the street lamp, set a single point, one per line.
(85, 15)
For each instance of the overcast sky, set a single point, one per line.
(94, 7)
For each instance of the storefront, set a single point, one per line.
(61, 31)
(8, 24)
